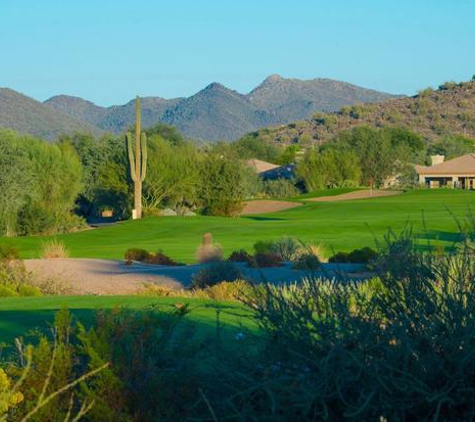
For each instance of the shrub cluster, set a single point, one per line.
(357, 256)
(155, 258)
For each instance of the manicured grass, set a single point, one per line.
(325, 192)
(20, 315)
(344, 225)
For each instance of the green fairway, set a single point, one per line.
(338, 225)
(18, 315)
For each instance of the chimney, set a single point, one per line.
(437, 159)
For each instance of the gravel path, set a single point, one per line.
(103, 277)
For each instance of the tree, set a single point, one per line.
(221, 190)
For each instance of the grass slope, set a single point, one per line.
(339, 225)
(19, 315)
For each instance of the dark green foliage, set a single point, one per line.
(221, 190)
(279, 188)
(263, 246)
(266, 260)
(357, 256)
(38, 186)
(306, 261)
(216, 273)
(240, 256)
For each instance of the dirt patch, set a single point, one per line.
(264, 206)
(99, 276)
(359, 194)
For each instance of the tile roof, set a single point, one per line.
(464, 165)
(260, 166)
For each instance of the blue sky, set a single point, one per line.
(109, 50)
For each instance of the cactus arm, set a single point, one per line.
(143, 169)
(130, 155)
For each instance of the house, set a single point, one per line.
(456, 173)
(260, 166)
(269, 171)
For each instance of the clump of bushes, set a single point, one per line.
(279, 188)
(240, 256)
(209, 251)
(215, 273)
(142, 255)
(357, 256)
(307, 261)
(266, 260)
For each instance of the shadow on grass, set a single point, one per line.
(262, 218)
(204, 317)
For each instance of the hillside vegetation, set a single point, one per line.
(449, 110)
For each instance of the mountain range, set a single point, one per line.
(214, 113)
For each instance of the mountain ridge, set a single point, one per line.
(213, 113)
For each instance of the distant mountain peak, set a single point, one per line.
(219, 113)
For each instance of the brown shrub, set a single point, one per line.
(208, 251)
(160, 258)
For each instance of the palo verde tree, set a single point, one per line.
(137, 161)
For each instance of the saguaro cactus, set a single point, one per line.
(137, 160)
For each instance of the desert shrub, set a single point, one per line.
(339, 258)
(9, 253)
(58, 379)
(215, 273)
(307, 261)
(136, 254)
(240, 256)
(54, 248)
(15, 280)
(159, 258)
(357, 256)
(287, 248)
(279, 188)
(266, 260)
(152, 289)
(263, 246)
(228, 290)
(208, 251)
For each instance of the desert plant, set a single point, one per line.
(214, 274)
(307, 261)
(136, 254)
(280, 188)
(266, 260)
(137, 161)
(159, 258)
(288, 248)
(357, 256)
(54, 248)
(240, 256)
(263, 246)
(209, 251)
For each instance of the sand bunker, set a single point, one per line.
(358, 194)
(264, 206)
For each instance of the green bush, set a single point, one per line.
(307, 261)
(263, 246)
(357, 256)
(137, 254)
(214, 274)
(159, 258)
(266, 260)
(240, 256)
(280, 188)
(287, 248)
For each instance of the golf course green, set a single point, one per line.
(342, 225)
